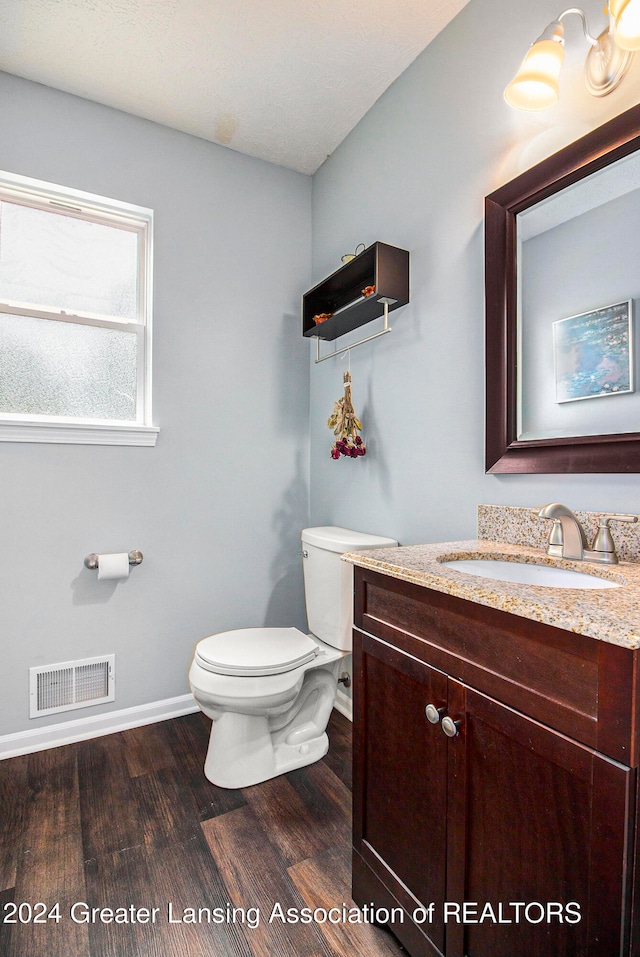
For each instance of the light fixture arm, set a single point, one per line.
(590, 39)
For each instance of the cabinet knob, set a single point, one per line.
(450, 727)
(433, 714)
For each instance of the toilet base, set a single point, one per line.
(264, 727)
(242, 753)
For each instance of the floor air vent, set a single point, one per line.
(70, 685)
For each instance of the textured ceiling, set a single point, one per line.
(284, 80)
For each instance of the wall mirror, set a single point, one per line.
(562, 283)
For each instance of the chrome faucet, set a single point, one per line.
(568, 540)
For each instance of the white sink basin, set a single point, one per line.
(524, 573)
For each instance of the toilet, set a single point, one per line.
(270, 691)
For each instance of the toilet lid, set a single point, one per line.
(255, 651)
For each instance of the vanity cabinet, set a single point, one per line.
(527, 813)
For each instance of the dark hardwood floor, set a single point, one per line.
(128, 825)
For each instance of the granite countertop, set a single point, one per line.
(608, 614)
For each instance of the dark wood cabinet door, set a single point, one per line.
(400, 786)
(510, 830)
(534, 818)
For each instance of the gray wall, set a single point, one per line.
(218, 504)
(414, 173)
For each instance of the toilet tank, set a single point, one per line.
(328, 581)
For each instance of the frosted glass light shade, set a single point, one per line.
(626, 19)
(535, 85)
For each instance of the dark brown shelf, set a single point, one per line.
(383, 266)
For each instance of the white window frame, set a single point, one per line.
(15, 427)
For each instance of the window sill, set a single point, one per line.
(74, 433)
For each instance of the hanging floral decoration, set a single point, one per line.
(346, 425)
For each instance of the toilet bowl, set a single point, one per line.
(270, 691)
(266, 724)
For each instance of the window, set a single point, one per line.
(75, 316)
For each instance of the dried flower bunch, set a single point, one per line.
(346, 425)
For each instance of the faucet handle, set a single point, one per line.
(603, 542)
(555, 535)
(555, 541)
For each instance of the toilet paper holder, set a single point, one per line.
(135, 558)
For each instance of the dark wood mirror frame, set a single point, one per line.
(504, 452)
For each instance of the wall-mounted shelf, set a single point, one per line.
(382, 266)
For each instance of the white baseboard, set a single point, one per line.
(68, 732)
(344, 704)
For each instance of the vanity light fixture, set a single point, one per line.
(625, 15)
(535, 85)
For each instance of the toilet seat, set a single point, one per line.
(251, 652)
